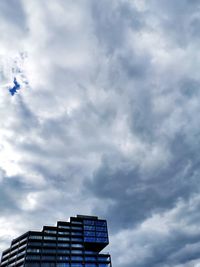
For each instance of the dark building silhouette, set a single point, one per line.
(76, 243)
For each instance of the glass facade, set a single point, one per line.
(76, 243)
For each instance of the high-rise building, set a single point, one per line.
(74, 243)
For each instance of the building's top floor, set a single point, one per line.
(90, 229)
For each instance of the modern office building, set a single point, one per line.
(74, 243)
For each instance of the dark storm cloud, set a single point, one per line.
(111, 25)
(138, 195)
(179, 19)
(13, 12)
(135, 195)
(164, 239)
(13, 191)
(14, 27)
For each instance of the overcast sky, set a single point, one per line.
(106, 122)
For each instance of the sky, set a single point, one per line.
(106, 122)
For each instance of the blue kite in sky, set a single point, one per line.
(15, 88)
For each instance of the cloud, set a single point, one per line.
(108, 124)
(164, 239)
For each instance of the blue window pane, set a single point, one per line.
(101, 228)
(33, 257)
(49, 237)
(89, 233)
(35, 250)
(32, 264)
(63, 245)
(76, 251)
(47, 250)
(62, 257)
(62, 264)
(63, 238)
(34, 243)
(48, 257)
(103, 258)
(90, 265)
(50, 231)
(89, 222)
(48, 244)
(76, 222)
(101, 240)
(63, 251)
(76, 265)
(101, 234)
(89, 227)
(77, 239)
(90, 258)
(101, 223)
(90, 252)
(35, 237)
(64, 226)
(76, 227)
(77, 245)
(63, 233)
(48, 264)
(76, 258)
(76, 233)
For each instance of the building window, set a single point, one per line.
(90, 259)
(48, 257)
(76, 239)
(101, 223)
(63, 245)
(35, 250)
(49, 244)
(63, 238)
(101, 234)
(32, 264)
(90, 265)
(101, 228)
(62, 264)
(46, 250)
(88, 227)
(49, 237)
(50, 231)
(76, 258)
(35, 237)
(63, 233)
(47, 264)
(76, 228)
(76, 222)
(77, 245)
(89, 222)
(89, 233)
(90, 252)
(76, 251)
(64, 226)
(32, 257)
(103, 258)
(63, 258)
(63, 251)
(76, 233)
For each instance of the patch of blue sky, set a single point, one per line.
(15, 88)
